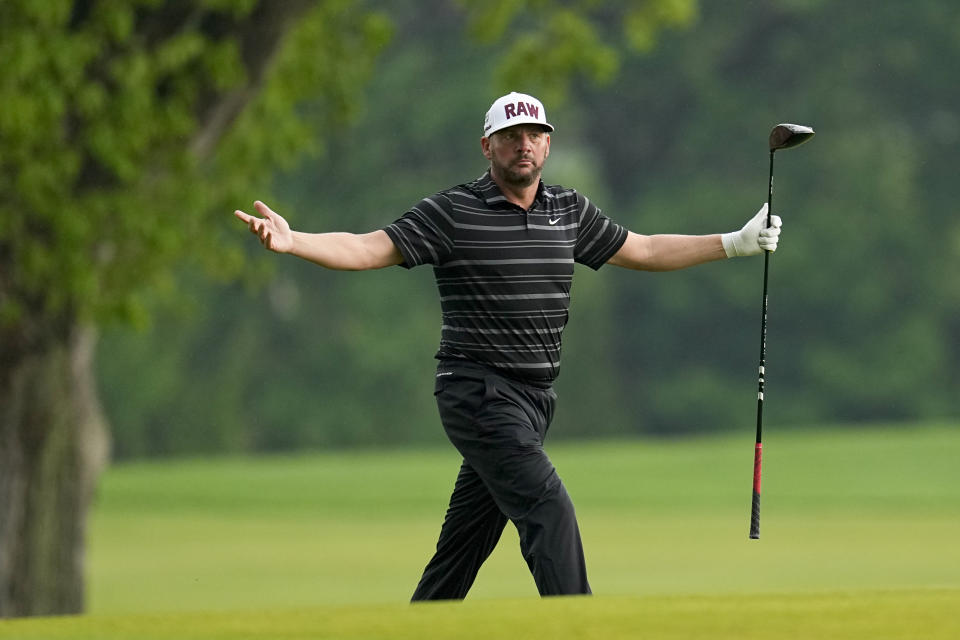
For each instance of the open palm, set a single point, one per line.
(272, 229)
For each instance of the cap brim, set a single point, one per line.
(513, 122)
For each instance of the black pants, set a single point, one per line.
(498, 425)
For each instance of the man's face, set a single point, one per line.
(517, 154)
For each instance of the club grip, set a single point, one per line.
(755, 517)
(755, 508)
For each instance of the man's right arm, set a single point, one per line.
(347, 251)
(337, 250)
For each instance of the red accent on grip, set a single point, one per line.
(757, 456)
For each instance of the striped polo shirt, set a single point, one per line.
(504, 274)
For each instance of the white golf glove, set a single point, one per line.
(755, 237)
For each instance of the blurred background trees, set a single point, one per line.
(862, 305)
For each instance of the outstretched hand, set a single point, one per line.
(272, 229)
(755, 236)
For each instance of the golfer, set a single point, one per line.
(503, 249)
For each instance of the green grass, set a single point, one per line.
(880, 615)
(859, 527)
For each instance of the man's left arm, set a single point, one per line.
(667, 252)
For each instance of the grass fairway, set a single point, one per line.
(907, 615)
(859, 539)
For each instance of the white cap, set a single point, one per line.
(512, 109)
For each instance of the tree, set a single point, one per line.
(128, 130)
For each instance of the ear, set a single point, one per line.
(546, 152)
(485, 147)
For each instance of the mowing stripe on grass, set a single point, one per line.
(882, 615)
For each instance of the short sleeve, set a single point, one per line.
(424, 234)
(598, 238)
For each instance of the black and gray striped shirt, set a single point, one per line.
(504, 274)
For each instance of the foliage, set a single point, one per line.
(862, 325)
(321, 359)
(862, 321)
(112, 171)
(547, 41)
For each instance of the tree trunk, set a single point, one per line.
(53, 446)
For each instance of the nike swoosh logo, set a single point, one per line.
(554, 221)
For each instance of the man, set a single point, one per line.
(503, 249)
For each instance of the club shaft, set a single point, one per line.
(763, 315)
(761, 373)
(762, 369)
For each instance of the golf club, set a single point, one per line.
(783, 136)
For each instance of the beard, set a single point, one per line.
(518, 177)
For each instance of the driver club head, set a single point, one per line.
(785, 136)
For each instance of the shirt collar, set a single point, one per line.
(487, 189)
